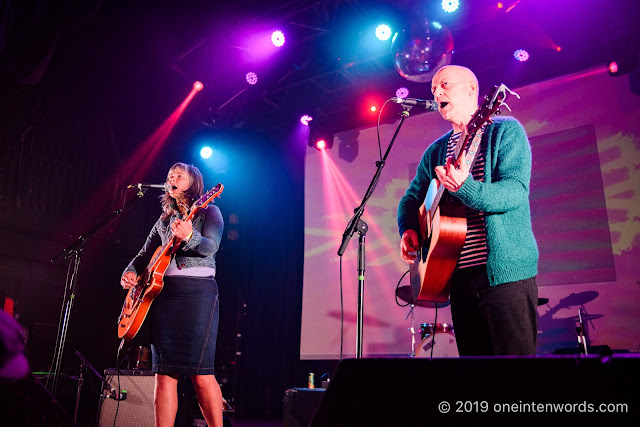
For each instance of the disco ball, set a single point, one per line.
(420, 49)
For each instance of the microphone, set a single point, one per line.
(140, 186)
(428, 105)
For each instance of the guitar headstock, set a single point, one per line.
(207, 197)
(490, 106)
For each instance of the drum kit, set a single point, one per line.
(436, 339)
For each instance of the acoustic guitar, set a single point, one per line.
(150, 282)
(443, 226)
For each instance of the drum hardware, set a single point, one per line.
(437, 341)
(582, 340)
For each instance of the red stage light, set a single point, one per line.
(373, 108)
(613, 67)
(198, 86)
(321, 144)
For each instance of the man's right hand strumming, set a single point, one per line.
(409, 246)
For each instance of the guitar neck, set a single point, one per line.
(171, 240)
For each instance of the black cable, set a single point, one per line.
(341, 312)
(398, 287)
(119, 395)
(435, 327)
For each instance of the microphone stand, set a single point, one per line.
(74, 251)
(356, 223)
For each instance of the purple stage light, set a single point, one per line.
(252, 78)
(521, 55)
(277, 38)
(402, 92)
(306, 119)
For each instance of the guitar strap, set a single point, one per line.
(474, 148)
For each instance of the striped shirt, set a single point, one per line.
(474, 251)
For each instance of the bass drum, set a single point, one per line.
(440, 338)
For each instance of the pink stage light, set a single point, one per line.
(306, 119)
(521, 55)
(252, 78)
(402, 92)
(198, 86)
(613, 67)
(321, 144)
(277, 38)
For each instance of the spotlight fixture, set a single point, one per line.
(277, 38)
(623, 58)
(521, 55)
(306, 119)
(198, 86)
(450, 5)
(320, 138)
(206, 152)
(613, 67)
(402, 92)
(252, 78)
(383, 32)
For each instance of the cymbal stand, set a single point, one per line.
(582, 339)
(412, 329)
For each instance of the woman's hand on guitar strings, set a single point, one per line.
(181, 229)
(451, 177)
(128, 280)
(409, 246)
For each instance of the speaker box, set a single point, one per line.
(137, 408)
(26, 402)
(299, 405)
(466, 391)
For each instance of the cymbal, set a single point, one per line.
(578, 299)
(353, 318)
(585, 317)
(404, 293)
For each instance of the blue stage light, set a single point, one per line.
(450, 5)
(206, 152)
(383, 32)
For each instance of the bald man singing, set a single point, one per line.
(493, 289)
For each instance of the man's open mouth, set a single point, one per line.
(443, 104)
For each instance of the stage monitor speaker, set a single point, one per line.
(137, 408)
(468, 391)
(26, 402)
